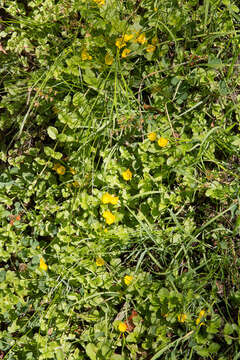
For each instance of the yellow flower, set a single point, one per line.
(56, 166)
(127, 175)
(109, 199)
(109, 217)
(162, 142)
(202, 313)
(120, 42)
(152, 136)
(127, 37)
(100, 261)
(182, 318)
(60, 170)
(99, 2)
(76, 184)
(108, 59)
(151, 48)
(122, 327)
(85, 55)
(72, 171)
(125, 52)
(141, 39)
(200, 317)
(43, 265)
(155, 40)
(128, 279)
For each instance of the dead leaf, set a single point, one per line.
(2, 49)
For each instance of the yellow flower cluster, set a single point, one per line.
(60, 169)
(150, 48)
(141, 39)
(120, 42)
(125, 52)
(201, 317)
(109, 199)
(85, 55)
(128, 37)
(99, 2)
(182, 318)
(138, 38)
(162, 142)
(109, 217)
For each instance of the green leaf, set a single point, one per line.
(52, 132)
(201, 351)
(236, 229)
(91, 351)
(60, 354)
(228, 329)
(50, 152)
(214, 347)
(6, 200)
(2, 275)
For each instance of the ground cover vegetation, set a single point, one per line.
(119, 181)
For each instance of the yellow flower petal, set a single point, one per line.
(141, 39)
(127, 175)
(43, 265)
(120, 42)
(127, 37)
(108, 59)
(151, 48)
(56, 166)
(122, 327)
(125, 52)
(100, 261)
(128, 279)
(99, 2)
(106, 198)
(60, 170)
(76, 184)
(72, 171)
(85, 55)
(109, 199)
(162, 142)
(114, 200)
(155, 40)
(202, 313)
(182, 318)
(152, 136)
(109, 217)
(200, 317)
